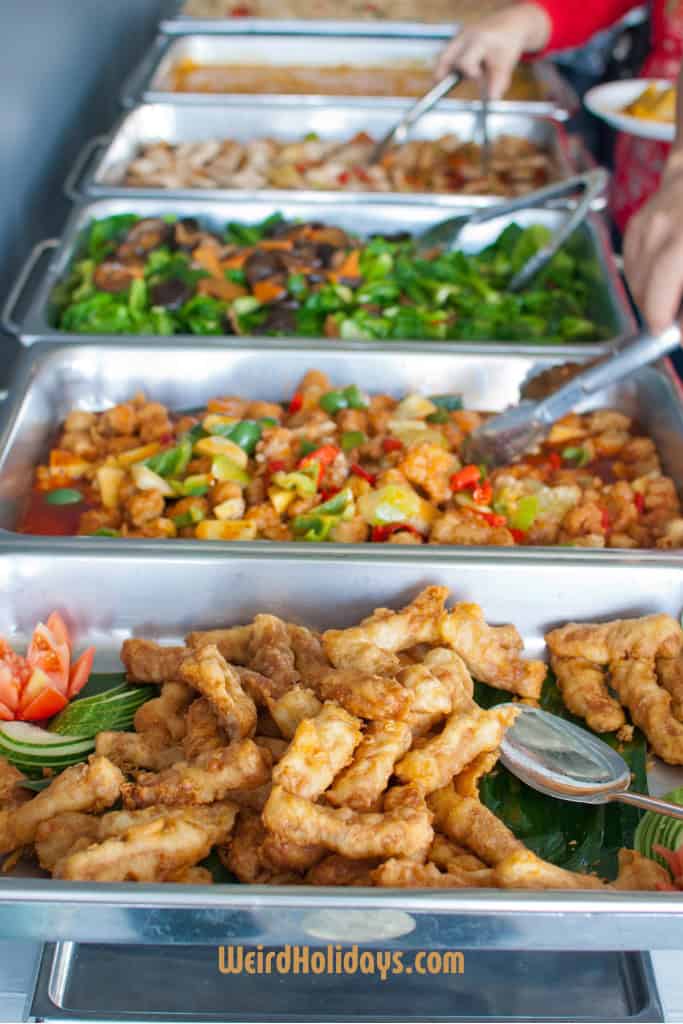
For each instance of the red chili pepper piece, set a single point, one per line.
(639, 502)
(361, 174)
(296, 403)
(275, 466)
(490, 517)
(465, 478)
(382, 533)
(604, 519)
(555, 460)
(363, 473)
(240, 11)
(519, 536)
(324, 456)
(343, 178)
(326, 495)
(483, 493)
(392, 444)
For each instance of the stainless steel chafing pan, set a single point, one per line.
(122, 592)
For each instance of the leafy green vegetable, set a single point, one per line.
(250, 234)
(63, 496)
(578, 837)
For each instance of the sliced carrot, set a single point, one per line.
(269, 291)
(206, 256)
(351, 265)
(220, 288)
(237, 261)
(271, 244)
(60, 458)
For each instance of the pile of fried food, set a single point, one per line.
(462, 11)
(446, 164)
(337, 465)
(655, 103)
(347, 758)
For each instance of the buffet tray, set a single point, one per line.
(178, 123)
(82, 982)
(149, 82)
(160, 594)
(52, 380)
(610, 307)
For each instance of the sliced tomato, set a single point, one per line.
(52, 656)
(59, 629)
(80, 672)
(5, 714)
(48, 702)
(38, 682)
(10, 687)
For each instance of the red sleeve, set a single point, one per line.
(574, 23)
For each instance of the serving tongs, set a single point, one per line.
(502, 439)
(446, 233)
(398, 134)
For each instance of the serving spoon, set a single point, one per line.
(560, 759)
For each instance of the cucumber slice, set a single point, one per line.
(24, 734)
(658, 830)
(108, 711)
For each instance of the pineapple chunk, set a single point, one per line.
(146, 479)
(214, 420)
(280, 499)
(222, 529)
(414, 407)
(109, 480)
(222, 446)
(233, 508)
(129, 458)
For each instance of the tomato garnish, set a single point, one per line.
(57, 626)
(465, 478)
(392, 444)
(382, 533)
(48, 702)
(50, 655)
(296, 403)
(363, 473)
(80, 672)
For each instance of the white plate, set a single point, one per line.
(607, 102)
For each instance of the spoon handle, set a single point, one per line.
(648, 803)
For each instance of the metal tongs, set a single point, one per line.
(446, 233)
(505, 437)
(399, 132)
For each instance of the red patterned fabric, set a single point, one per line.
(638, 162)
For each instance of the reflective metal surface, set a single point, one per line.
(608, 304)
(163, 594)
(150, 82)
(176, 123)
(84, 982)
(52, 380)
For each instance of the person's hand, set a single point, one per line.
(653, 249)
(495, 44)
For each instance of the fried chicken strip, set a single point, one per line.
(132, 751)
(203, 730)
(233, 643)
(670, 674)
(57, 836)
(218, 814)
(637, 872)
(150, 852)
(12, 793)
(492, 654)
(463, 738)
(406, 831)
(82, 787)
(522, 869)
(208, 673)
(466, 782)
(371, 647)
(321, 747)
(337, 870)
(245, 858)
(361, 784)
(583, 686)
(472, 825)
(209, 777)
(447, 855)
(270, 653)
(292, 708)
(605, 642)
(635, 684)
(165, 714)
(367, 696)
(148, 662)
(398, 873)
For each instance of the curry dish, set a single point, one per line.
(447, 11)
(351, 757)
(338, 465)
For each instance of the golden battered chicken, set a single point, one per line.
(152, 851)
(463, 738)
(466, 782)
(270, 653)
(203, 730)
(522, 869)
(583, 686)
(639, 873)
(284, 855)
(115, 823)
(57, 836)
(208, 673)
(472, 825)
(367, 696)
(309, 655)
(245, 858)
(372, 646)
(165, 714)
(12, 793)
(398, 873)
(293, 708)
(233, 643)
(601, 643)
(670, 675)
(252, 799)
(635, 684)
(448, 856)
(148, 662)
(209, 777)
(337, 870)
(133, 751)
(492, 654)
(404, 832)
(191, 876)
(360, 786)
(430, 694)
(321, 747)
(82, 787)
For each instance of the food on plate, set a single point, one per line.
(447, 164)
(341, 799)
(655, 103)
(371, 10)
(334, 464)
(399, 78)
(165, 276)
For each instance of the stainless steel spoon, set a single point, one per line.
(399, 132)
(559, 759)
